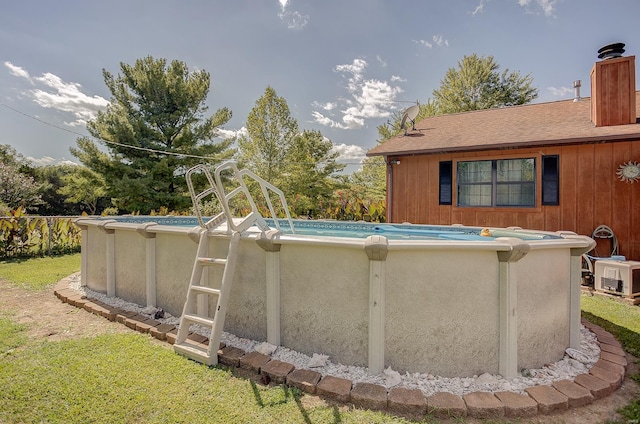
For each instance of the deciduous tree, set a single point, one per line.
(311, 171)
(370, 182)
(84, 187)
(270, 136)
(18, 189)
(301, 164)
(51, 179)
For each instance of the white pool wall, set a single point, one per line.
(443, 311)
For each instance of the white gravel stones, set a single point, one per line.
(318, 360)
(266, 348)
(575, 361)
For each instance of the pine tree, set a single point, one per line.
(154, 129)
(477, 84)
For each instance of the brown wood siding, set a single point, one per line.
(613, 89)
(590, 193)
(634, 225)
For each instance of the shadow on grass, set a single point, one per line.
(288, 394)
(16, 259)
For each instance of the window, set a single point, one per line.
(550, 180)
(446, 182)
(505, 182)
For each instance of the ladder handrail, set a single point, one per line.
(196, 197)
(265, 186)
(216, 189)
(254, 216)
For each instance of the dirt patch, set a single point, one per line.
(49, 318)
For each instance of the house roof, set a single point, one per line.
(562, 122)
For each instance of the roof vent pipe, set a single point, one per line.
(611, 51)
(576, 86)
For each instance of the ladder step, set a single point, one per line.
(196, 353)
(207, 290)
(212, 261)
(198, 319)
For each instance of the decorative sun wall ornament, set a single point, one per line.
(629, 172)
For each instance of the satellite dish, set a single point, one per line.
(411, 113)
(404, 120)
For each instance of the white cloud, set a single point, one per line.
(547, 6)
(560, 91)
(48, 160)
(17, 71)
(351, 119)
(349, 152)
(356, 68)
(395, 78)
(326, 121)
(294, 19)
(436, 40)
(328, 106)
(440, 41)
(381, 61)
(479, 8)
(369, 98)
(424, 43)
(231, 134)
(60, 95)
(374, 94)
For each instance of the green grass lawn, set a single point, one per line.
(38, 273)
(623, 321)
(129, 378)
(126, 379)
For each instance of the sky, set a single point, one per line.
(344, 67)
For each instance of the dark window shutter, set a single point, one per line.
(446, 180)
(551, 180)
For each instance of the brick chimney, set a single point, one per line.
(613, 87)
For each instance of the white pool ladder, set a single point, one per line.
(208, 354)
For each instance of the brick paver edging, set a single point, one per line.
(603, 379)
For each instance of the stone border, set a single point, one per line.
(604, 378)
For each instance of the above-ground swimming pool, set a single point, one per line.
(453, 301)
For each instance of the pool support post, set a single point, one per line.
(266, 240)
(110, 256)
(508, 350)
(575, 291)
(84, 251)
(150, 262)
(376, 247)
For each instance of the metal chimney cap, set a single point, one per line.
(611, 50)
(576, 86)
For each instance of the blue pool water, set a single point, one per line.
(363, 229)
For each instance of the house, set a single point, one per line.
(567, 165)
